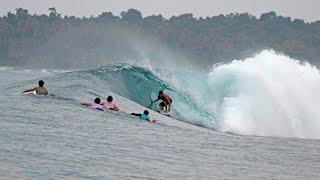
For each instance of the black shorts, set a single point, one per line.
(162, 104)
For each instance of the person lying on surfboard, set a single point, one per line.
(40, 90)
(165, 99)
(110, 105)
(144, 116)
(95, 105)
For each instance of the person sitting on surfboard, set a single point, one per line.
(95, 105)
(110, 105)
(165, 99)
(144, 116)
(40, 90)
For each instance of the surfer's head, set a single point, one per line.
(109, 98)
(160, 92)
(97, 100)
(146, 112)
(41, 83)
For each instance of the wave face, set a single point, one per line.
(268, 95)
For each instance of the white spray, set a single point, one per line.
(268, 95)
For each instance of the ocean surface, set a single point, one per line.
(252, 119)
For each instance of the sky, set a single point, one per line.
(308, 10)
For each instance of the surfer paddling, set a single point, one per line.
(40, 90)
(95, 105)
(110, 105)
(166, 101)
(144, 116)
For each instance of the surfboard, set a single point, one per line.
(88, 106)
(164, 113)
(35, 93)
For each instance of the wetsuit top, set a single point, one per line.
(96, 106)
(109, 105)
(144, 117)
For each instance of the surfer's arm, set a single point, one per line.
(156, 99)
(85, 104)
(29, 90)
(135, 114)
(116, 108)
(151, 120)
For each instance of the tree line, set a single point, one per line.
(54, 40)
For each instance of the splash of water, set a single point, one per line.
(268, 94)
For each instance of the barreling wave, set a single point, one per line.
(268, 95)
(142, 85)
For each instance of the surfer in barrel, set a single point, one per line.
(40, 90)
(166, 100)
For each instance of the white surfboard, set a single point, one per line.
(164, 112)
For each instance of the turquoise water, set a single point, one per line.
(142, 85)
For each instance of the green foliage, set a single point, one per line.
(132, 16)
(50, 39)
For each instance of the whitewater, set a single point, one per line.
(249, 119)
(268, 95)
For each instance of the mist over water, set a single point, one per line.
(98, 45)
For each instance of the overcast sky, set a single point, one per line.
(309, 10)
